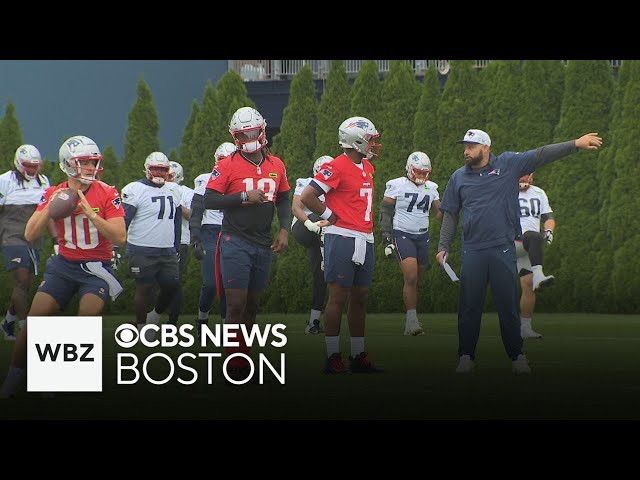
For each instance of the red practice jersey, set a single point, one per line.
(78, 237)
(351, 194)
(236, 174)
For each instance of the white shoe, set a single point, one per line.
(466, 365)
(413, 328)
(520, 365)
(527, 332)
(543, 281)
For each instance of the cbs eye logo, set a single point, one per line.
(126, 335)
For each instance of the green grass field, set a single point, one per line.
(585, 367)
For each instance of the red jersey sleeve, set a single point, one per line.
(220, 177)
(329, 175)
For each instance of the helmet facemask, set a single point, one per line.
(86, 169)
(28, 161)
(418, 176)
(250, 140)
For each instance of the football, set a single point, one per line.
(63, 204)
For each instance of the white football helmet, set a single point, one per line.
(223, 151)
(359, 133)
(76, 150)
(176, 173)
(418, 168)
(248, 129)
(319, 162)
(28, 161)
(156, 167)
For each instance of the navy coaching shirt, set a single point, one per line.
(488, 199)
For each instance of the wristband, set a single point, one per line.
(94, 216)
(326, 214)
(244, 197)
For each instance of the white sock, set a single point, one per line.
(412, 315)
(357, 346)
(10, 317)
(203, 315)
(14, 380)
(525, 322)
(315, 315)
(333, 344)
(153, 317)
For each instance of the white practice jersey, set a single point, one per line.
(533, 203)
(18, 201)
(413, 203)
(187, 196)
(301, 183)
(153, 223)
(209, 217)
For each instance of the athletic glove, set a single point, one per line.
(116, 259)
(312, 226)
(198, 248)
(389, 247)
(548, 236)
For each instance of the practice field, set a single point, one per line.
(585, 367)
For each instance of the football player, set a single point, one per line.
(534, 207)
(250, 186)
(347, 184)
(205, 229)
(153, 204)
(307, 232)
(85, 239)
(21, 189)
(404, 224)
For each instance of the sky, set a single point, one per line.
(55, 99)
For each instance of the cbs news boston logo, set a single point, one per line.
(64, 354)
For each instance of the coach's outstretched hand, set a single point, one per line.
(590, 141)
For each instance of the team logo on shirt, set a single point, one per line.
(116, 202)
(215, 174)
(495, 171)
(326, 173)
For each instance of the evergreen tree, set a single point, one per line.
(400, 97)
(366, 96)
(232, 92)
(10, 137)
(425, 131)
(142, 134)
(573, 186)
(110, 165)
(295, 145)
(504, 104)
(192, 168)
(333, 109)
(622, 214)
(209, 133)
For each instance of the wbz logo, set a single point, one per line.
(64, 354)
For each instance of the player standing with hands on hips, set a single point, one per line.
(485, 190)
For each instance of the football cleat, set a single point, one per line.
(335, 364)
(413, 328)
(361, 364)
(9, 330)
(314, 328)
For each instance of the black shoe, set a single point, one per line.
(361, 364)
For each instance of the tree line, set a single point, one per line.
(521, 105)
